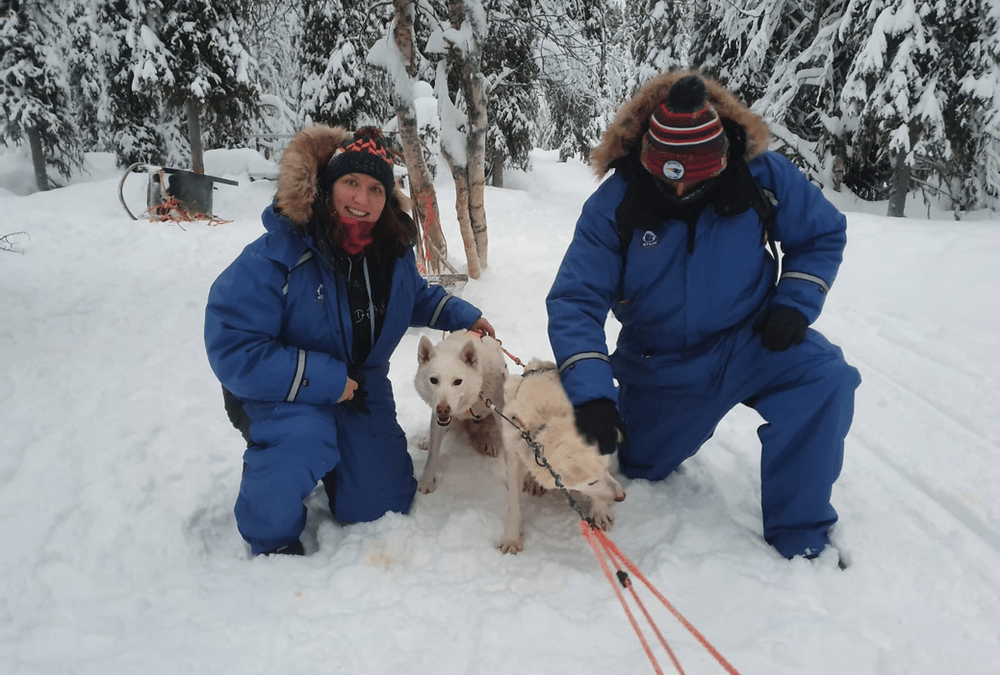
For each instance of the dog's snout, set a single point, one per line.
(620, 496)
(443, 409)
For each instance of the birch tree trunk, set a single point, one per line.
(422, 193)
(468, 57)
(460, 174)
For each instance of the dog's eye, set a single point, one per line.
(434, 380)
(457, 382)
(595, 482)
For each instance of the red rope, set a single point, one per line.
(599, 540)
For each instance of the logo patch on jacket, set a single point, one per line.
(649, 240)
(320, 293)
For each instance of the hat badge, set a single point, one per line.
(673, 170)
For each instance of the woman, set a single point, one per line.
(299, 330)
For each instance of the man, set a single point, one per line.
(673, 243)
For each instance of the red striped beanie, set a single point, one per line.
(685, 141)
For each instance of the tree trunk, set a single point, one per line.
(38, 158)
(497, 170)
(475, 99)
(194, 136)
(460, 174)
(422, 191)
(470, 59)
(899, 186)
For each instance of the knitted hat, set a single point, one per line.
(365, 153)
(685, 141)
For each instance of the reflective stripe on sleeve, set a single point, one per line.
(580, 357)
(438, 309)
(825, 287)
(300, 371)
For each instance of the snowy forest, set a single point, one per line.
(890, 99)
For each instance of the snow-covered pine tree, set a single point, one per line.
(741, 42)
(338, 86)
(512, 79)
(133, 63)
(34, 98)
(572, 74)
(211, 76)
(661, 30)
(272, 31)
(894, 95)
(86, 81)
(969, 34)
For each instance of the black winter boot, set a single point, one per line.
(295, 548)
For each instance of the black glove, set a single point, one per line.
(360, 394)
(780, 327)
(599, 422)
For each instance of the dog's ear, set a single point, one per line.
(468, 355)
(425, 351)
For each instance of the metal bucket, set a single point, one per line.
(193, 190)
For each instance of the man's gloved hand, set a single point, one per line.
(599, 422)
(357, 374)
(780, 327)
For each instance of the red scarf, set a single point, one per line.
(357, 234)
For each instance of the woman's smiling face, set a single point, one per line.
(358, 196)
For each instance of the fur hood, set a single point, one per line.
(632, 120)
(301, 163)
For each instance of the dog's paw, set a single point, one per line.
(427, 484)
(602, 517)
(532, 486)
(423, 444)
(514, 545)
(489, 450)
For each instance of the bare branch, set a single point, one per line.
(7, 245)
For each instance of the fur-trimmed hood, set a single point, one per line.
(632, 120)
(301, 163)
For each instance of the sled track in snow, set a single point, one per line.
(887, 363)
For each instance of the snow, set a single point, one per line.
(118, 472)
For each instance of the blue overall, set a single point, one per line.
(278, 336)
(686, 354)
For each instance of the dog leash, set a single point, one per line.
(607, 552)
(539, 452)
(499, 342)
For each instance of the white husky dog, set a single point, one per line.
(537, 403)
(454, 378)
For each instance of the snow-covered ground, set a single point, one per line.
(119, 469)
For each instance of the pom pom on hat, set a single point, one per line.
(366, 153)
(685, 141)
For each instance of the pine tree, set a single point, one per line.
(573, 73)
(133, 62)
(338, 87)
(969, 33)
(34, 97)
(890, 99)
(512, 76)
(209, 75)
(85, 73)
(741, 42)
(661, 29)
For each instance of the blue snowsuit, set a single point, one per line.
(687, 298)
(278, 332)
